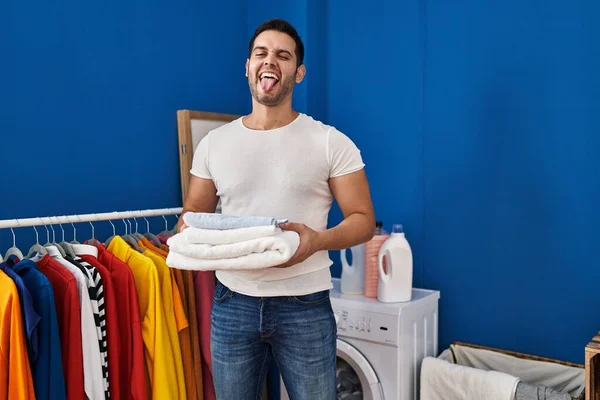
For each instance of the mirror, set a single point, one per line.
(192, 126)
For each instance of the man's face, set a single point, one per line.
(271, 68)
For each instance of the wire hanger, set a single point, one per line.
(137, 235)
(150, 236)
(53, 243)
(166, 232)
(74, 241)
(66, 246)
(37, 247)
(130, 239)
(107, 241)
(14, 250)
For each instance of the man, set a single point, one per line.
(279, 163)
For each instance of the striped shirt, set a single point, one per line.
(96, 292)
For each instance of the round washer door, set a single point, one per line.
(360, 365)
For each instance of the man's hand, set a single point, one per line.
(308, 243)
(182, 227)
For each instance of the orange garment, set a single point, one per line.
(196, 356)
(164, 247)
(189, 338)
(15, 373)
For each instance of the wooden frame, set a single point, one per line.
(592, 369)
(190, 132)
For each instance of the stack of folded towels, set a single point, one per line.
(222, 242)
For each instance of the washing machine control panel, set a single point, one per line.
(368, 326)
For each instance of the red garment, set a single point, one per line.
(112, 329)
(68, 313)
(204, 284)
(132, 363)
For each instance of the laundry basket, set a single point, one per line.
(592, 369)
(535, 373)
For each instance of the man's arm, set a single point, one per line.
(354, 198)
(201, 197)
(352, 193)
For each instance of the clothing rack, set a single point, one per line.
(78, 218)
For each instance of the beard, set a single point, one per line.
(286, 85)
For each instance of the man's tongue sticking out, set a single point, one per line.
(268, 83)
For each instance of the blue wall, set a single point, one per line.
(88, 101)
(479, 124)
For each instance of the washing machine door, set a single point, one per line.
(371, 388)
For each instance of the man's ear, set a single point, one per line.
(300, 73)
(247, 63)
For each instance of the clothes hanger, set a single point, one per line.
(137, 235)
(74, 241)
(130, 240)
(150, 236)
(53, 243)
(107, 242)
(14, 250)
(93, 241)
(37, 247)
(166, 232)
(66, 246)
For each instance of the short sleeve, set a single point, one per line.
(343, 155)
(200, 159)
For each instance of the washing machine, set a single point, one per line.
(380, 346)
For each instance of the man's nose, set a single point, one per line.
(270, 59)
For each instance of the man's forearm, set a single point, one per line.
(355, 229)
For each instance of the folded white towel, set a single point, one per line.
(214, 237)
(262, 252)
(441, 380)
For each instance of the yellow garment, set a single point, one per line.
(161, 262)
(163, 358)
(15, 374)
(172, 302)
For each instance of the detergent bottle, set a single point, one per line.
(395, 263)
(371, 252)
(353, 275)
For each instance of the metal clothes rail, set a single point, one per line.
(78, 218)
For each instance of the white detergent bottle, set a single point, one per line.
(395, 263)
(353, 275)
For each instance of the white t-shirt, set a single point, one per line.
(279, 173)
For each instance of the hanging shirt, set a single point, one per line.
(47, 368)
(180, 312)
(30, 317)
(164, 371)
(131, 359)
(90, 255)
(68, 312)
(204, 285)
(15, 373)
(188, 338)
(95, 289)
(92, 362)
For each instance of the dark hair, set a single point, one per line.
(281, 26)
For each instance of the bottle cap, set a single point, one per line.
(397, 228)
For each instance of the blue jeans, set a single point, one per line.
(298, 332)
